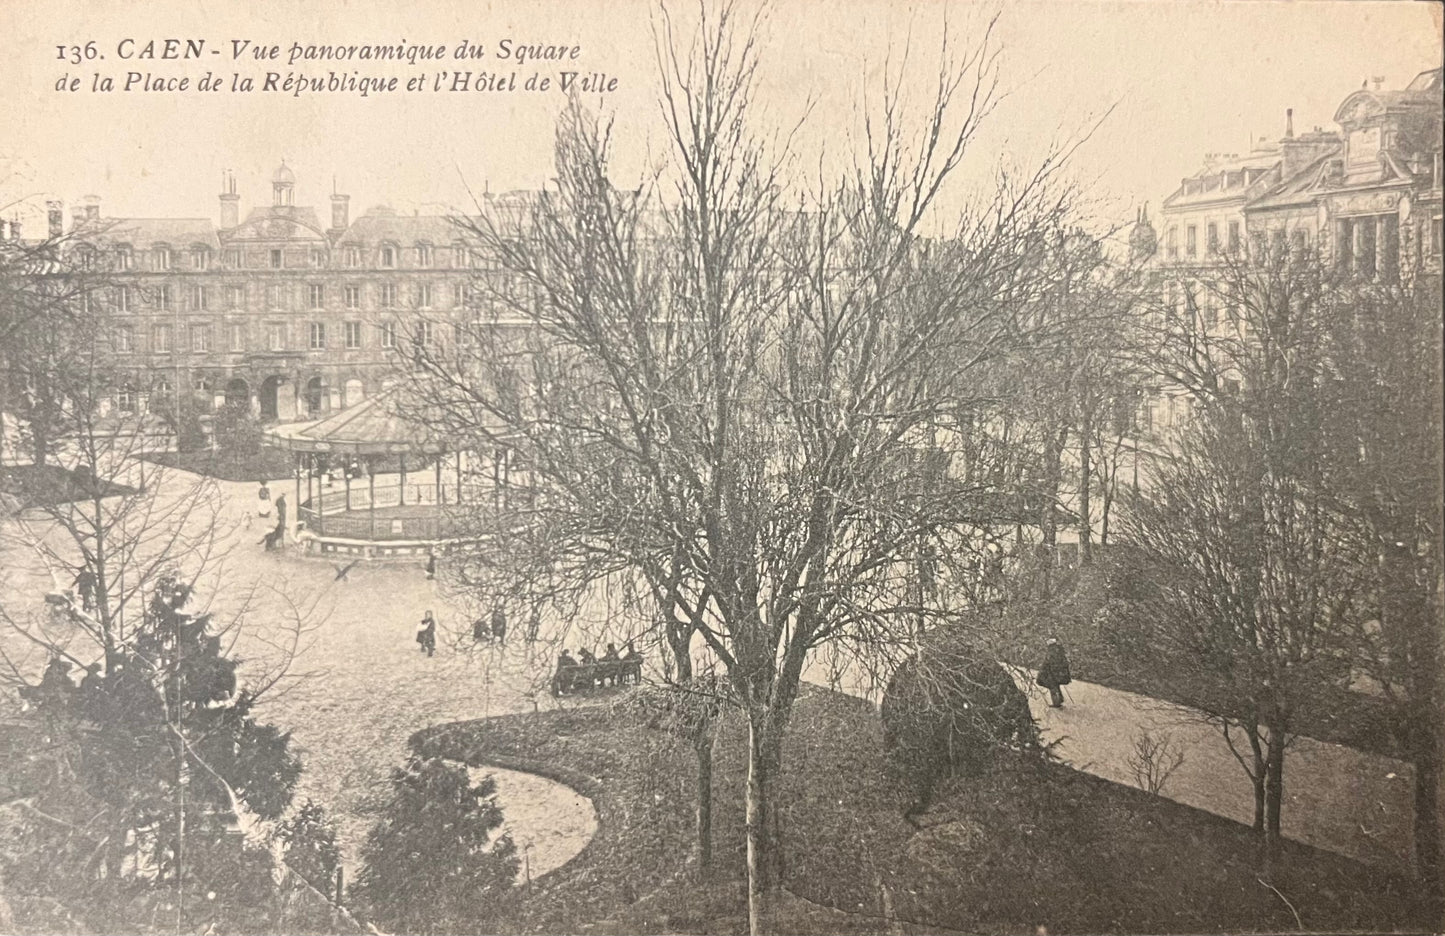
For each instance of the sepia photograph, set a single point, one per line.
(721, 467)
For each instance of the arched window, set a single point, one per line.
(123, 256)
(388, 255)
(200, 257)
(423, 254)
(161, 256)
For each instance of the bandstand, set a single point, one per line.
(377, 485)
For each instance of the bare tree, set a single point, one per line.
(746, 406)
(1244, 532)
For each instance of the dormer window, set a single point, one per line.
(461, 256)
(123, 256)
(388, 255)
(161, 257)
(318, 258)
(200, 257)
(353, 256)
(423, 255)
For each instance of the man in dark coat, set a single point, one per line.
(1054, 673)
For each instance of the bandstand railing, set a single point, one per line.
(336, 512)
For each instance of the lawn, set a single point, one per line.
(48, 485)
(249, 465)
(1009, 852)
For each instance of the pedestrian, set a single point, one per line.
(85, 584)
(281, 511)
(263, 501)
(426, 634)
(1054, 673)
(431, 566)
(499, 624)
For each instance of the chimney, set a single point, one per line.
(340, 212)
(230, 202)
(1289, 123)
(55, 211)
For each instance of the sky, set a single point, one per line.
(1144, 88)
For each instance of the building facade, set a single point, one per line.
(291, 311)
(1363, 200)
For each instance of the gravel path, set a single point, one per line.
(363, 686)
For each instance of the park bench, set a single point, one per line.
(602, 674)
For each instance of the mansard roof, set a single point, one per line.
(381, 225)
(142, 233)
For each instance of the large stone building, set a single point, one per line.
(291, 310)
(1366, 198)
(1363, 200)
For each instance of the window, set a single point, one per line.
(125, 400)
(86, 256)
(122, 257)
(275, 259)
(461, 256)
(200, 301)
(235, 296)
(318, 258)
(1435, 236)
(238, 336)
(160, 395)
(1277, 242)
(233, 259)
(351, 332)
(1301, 241)
(1191, 241)
(275, 296)
(388, 256)
(276, 336)
(423, 255)
(161, 257)
(423, 295)
(200, 338)
(387, 296)
(388, 334)
(317, 294)
(200, 258)
(122, 299)
(353, 256)
(161, 339)
(163, 297)
(1212, 238)
(424, 334)
(1234, 237)
(459, 295)
(353, 297)
(124, 339)
(317, 340)
(1171, 243)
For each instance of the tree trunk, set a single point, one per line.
(703, 748)
(1273, 792)
(757, 831)
(1256, 779)
(1086, 545)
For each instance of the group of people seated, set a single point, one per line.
(588, 671)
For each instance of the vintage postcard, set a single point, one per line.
(721, 466)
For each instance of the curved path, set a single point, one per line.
(549, 821)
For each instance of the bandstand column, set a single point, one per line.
(441, 497)
(346, 472)
(401, 489)
(298, 486)
(459, 477)
(371, 494)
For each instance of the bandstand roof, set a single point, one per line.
(371, 427)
